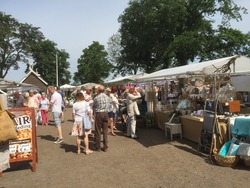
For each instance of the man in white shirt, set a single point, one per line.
(56, 104)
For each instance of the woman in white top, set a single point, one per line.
(81, 114)
(44, 107)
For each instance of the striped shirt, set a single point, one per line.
(102, 103)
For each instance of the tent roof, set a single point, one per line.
(89, 84)
(242, 64)
(67, 86)
(130, 77)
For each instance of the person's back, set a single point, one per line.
(56, 103)
(101, 107)
(56, 99)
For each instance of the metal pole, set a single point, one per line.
(56, 70)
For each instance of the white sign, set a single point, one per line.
(23, 122)
(12, 148)
(24, 147)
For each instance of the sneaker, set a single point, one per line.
(60, 140)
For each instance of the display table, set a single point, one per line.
(191, 127)
(161, 118)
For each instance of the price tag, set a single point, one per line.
(12, 148)
(24, 147)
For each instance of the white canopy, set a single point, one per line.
(241, 65)
(67, 86)
(130, 77)
(89, 84)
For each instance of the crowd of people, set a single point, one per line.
(95, 107)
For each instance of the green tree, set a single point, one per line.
(93, 65)
(16, 43)
(44, 54)
(163, 33)
(114, 56)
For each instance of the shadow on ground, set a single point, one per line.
(47, 137)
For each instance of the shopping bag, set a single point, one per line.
(87, 122)
(7, 127)
(1, 104)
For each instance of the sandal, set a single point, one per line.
(113, 134)
(88, 152)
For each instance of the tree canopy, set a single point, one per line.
(16, 43)
(23, 43)
(93, 65)
(163, 33)
(45, 62)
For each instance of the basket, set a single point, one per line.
(226, 161)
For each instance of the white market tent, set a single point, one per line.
(241, 65)
(67, 86)
(90, 84)
(126, 78)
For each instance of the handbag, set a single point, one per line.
(87, 122)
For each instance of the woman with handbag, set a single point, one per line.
(81, 114)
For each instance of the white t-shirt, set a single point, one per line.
(44, 104)
(114, 103)
(80, 109)
(56, 100)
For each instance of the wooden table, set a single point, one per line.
(191, 127)
(161, 118)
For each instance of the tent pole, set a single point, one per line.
(214, 86)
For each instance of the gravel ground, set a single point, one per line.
(151, 161)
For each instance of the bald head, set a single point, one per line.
(101, 89)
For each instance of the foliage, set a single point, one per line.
(23, 43)
(164, 33)
(114, 55)
(16, 43)
(45, 63)
(93, 65)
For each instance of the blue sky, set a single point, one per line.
(74, 24)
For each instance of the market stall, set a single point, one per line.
(224, 83)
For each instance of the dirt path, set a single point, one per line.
(151, 161)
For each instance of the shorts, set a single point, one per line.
(111, 115)
(57, 118)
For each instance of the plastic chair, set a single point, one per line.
(174, 128)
